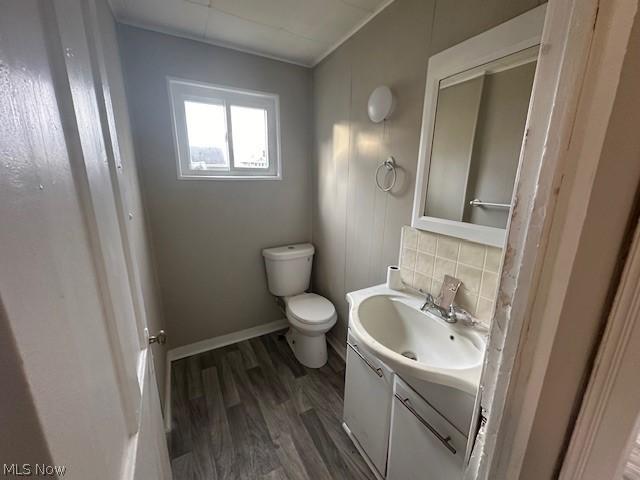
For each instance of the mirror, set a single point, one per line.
(474, 118)
(478, 132)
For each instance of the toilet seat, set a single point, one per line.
(310, 309)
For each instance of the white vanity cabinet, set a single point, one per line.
(423, 444)
(367, 404)
(400, 408)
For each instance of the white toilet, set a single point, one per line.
(310, 316)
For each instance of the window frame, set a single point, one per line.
(181, 90)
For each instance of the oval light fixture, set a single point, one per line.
(381, 103)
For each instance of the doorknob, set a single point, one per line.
(160, 338)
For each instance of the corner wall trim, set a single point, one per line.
(211, 344)
(351, 32)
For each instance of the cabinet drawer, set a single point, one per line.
(367, 403)
(423, 445)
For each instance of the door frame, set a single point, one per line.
(114, 160)
(557, 218)
(608, 420)
(149, 430)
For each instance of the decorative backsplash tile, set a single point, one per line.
(425, 258)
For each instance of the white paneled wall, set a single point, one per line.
(425, 258)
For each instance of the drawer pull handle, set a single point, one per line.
(445, 440)
(369, 364)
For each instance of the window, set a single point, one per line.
(224, 133)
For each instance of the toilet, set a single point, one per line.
(310, 316)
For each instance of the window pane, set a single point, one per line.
(207, 133)
(250, 142)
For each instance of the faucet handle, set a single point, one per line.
(428, 301)
(462, 315)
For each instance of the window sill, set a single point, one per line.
(230, 177)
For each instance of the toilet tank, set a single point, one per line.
(288, 268)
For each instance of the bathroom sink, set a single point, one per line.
(413, 343)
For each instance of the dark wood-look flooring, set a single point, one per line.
(251, 411)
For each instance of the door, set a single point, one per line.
(67, 279)
(151, 457)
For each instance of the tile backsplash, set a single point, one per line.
(425, 258)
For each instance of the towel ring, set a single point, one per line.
(390, 165)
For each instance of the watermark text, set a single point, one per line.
(33, 470)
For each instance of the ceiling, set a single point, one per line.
(297, 31)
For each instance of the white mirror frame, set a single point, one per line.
(520, 33)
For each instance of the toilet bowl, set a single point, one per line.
(310, 316)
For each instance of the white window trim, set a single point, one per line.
(180, 89)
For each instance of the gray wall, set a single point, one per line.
(207, 235)
(356, 228)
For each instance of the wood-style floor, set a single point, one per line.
(251, 411)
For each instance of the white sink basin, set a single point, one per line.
(413, 343)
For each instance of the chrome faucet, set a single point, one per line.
(448, 315)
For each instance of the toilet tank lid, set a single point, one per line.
(288, 252)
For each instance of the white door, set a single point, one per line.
(67, 280)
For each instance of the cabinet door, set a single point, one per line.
(367, 403)
(423, 444)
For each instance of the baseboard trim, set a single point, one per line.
(224, 340)
(337, 347)
(211, 344)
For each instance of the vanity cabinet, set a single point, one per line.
(423, 445)
(367, 404)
